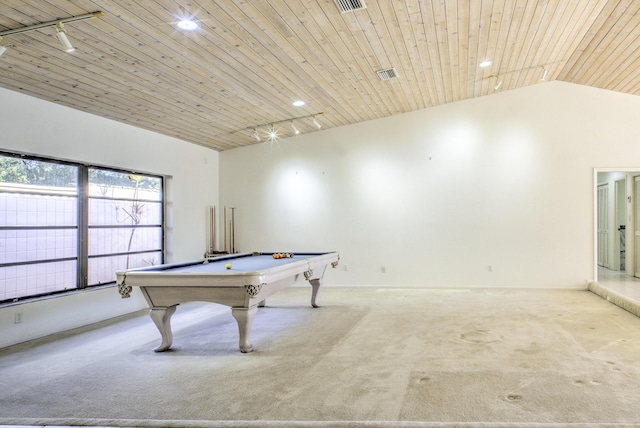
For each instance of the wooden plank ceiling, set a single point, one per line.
(250, 59)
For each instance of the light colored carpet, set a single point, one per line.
(369, 357)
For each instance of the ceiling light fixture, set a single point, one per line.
(187, 24)
(295, 130)
(486, 63)
(299, 103)
(3, 49)
(256, 135)
(316, 123)
(59, 24)
(63, 39)
(498, 84)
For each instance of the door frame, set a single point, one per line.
(630, 227)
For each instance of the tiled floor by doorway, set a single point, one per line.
(620, 282)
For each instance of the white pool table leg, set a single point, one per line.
(162, 319)
(315, 286)
(244, 316)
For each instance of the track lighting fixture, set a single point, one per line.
(534, 68)
(273, 131)
(61, 34)
(62, 37)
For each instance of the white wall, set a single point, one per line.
(33, 126)
(435, 196)
(494, 191)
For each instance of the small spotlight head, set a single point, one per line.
(63, 39)
(544, 74)
(273, 134)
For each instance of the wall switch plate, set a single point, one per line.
(18, 317)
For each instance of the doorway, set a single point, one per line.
(616, 235)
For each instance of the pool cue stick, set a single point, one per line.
(209, 233)
(213, 226)
(233, 230)
(206, 232)
(225, 229)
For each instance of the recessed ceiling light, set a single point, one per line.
(486, 63)
(187, 24)
(299, 103)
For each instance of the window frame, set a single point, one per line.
(83, 227)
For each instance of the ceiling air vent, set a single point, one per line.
(350, 5)
(387, 73)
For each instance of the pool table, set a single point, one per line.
(244, 285)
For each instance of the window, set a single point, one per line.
(125, 223)
(65, 226)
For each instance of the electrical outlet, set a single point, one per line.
(18, 317)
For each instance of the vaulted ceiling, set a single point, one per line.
(248, 60)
